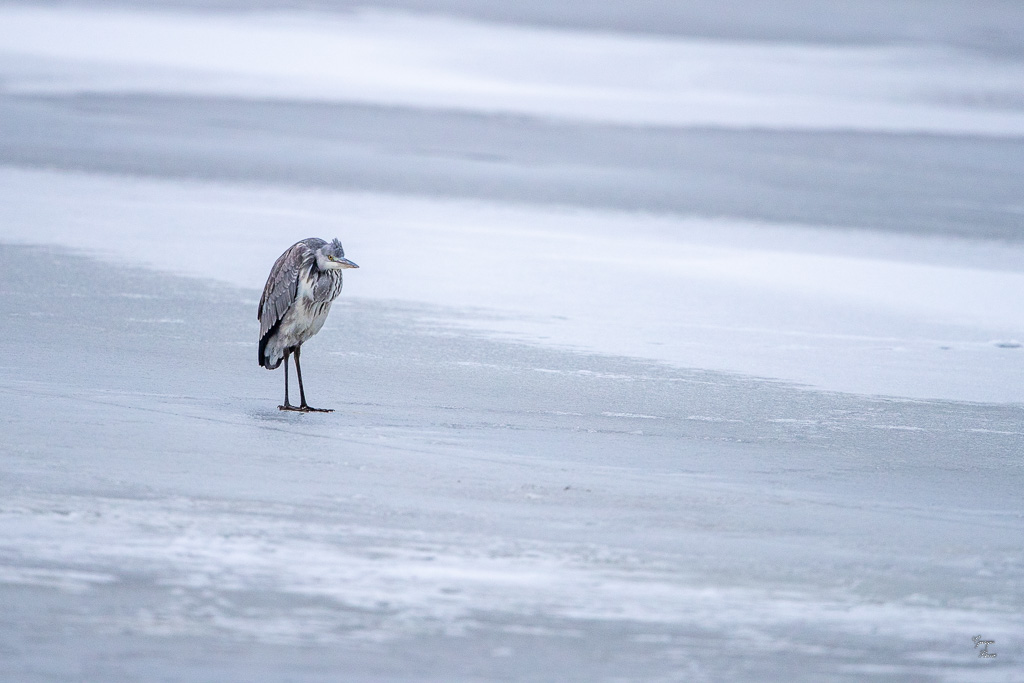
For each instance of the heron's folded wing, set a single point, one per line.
(282, 286)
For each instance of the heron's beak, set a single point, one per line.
(345, 263)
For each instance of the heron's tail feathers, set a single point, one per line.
(264, 361)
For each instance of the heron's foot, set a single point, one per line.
(304, 409)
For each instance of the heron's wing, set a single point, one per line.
(282, 286)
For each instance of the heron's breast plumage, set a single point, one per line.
(317, 290)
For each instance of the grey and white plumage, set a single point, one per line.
(303, 283)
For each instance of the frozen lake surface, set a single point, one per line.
(676, 353)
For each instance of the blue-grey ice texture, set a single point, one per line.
(628, 388)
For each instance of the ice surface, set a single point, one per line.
(614, 401)
(469, 497)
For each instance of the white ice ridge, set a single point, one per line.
(439, 62)
(851, 311)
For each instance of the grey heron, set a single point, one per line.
(303, 283)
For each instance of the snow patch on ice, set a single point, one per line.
(74, 581)
(442, 62)
(378, 584)
(157, 321)
(873, 313)
(634, 415)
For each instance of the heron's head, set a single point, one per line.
(331, 256)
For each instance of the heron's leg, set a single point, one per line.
(287, 405)
(302, 393)
(298, 371)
